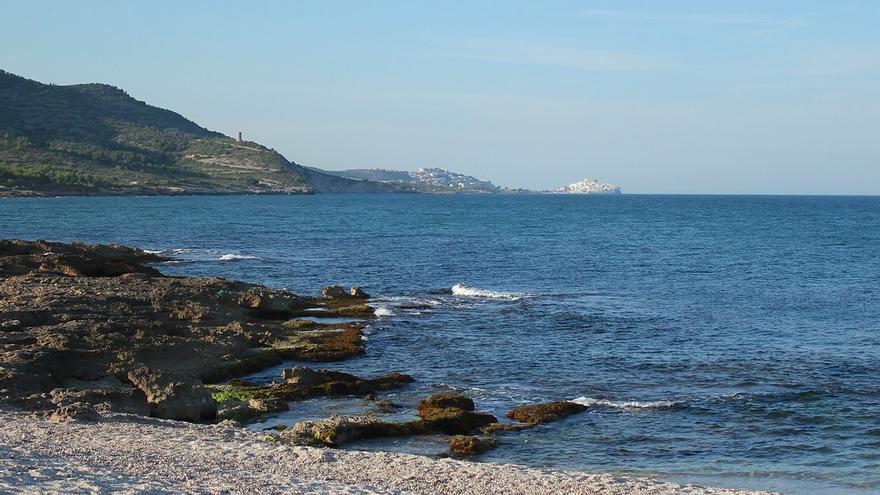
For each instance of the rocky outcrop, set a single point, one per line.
(73, 260)
(174, 397)
(448, 414)
(94, 324)
(270, 304)
(545, 413)
(452, 414)
(467, 445)
(339, 430)
(241, 401)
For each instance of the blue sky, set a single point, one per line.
(667, 97)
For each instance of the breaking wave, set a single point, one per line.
(235, 257)
(462, 290)
(659, 404)
(383, 311)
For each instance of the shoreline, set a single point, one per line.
(101, 344)
(132, 454)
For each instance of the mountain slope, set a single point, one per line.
(96, 139)
(435, 180)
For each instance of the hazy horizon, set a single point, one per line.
(721, 98)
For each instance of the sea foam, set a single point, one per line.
(591, 402)
(462, 290)
(383, 311)
(234, 257)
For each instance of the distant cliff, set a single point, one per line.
(96, 139)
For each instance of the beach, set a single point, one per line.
(122, 453)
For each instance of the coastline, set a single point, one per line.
(122, 453)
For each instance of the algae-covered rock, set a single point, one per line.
(303, 383)
(500, 427)
(451, 414)
(338, 430)
(455, 401)
(463, 445)
(328, 345)
(545, 413)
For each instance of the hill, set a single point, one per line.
(96, 139)
(434, 180)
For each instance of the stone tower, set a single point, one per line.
(238, 138)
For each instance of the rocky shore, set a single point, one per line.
(94, 337)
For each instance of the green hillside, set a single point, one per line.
(96, 139)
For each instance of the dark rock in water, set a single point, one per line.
(358, 293)
(174, 397)
(499, 427)
(339, 430)
(303, 383)
(451, 414)
(545, 413)
(464, 445)
(452, 420)
(301, 375)
(356, 311)
(455, 401)
(244, 411)
(334, 292)
(334, 344)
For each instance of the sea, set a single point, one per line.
(721, 340)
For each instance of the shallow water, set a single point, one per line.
(728, 340)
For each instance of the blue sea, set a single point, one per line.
(724, 340)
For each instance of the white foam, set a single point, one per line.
(462, 290)
(383, 311)
(591, 402)
(154, 251)
(234, 257)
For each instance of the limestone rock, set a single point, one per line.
(174, 397)
(545, 413)
(452, 414)
(463, 445)
(339, 430)
(76, 411)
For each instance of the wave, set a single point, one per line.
(462, 290)
(235, 257)
(383, 311)
(658, 404)
(409, 302)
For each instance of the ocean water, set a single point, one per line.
(728, 340)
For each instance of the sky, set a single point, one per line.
(750, 97)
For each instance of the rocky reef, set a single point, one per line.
(446, 414)
(89, 329)
(95, 326)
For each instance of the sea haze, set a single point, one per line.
(728, 339)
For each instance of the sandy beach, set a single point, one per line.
(129, 454)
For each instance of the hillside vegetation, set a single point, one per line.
(96, 139)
